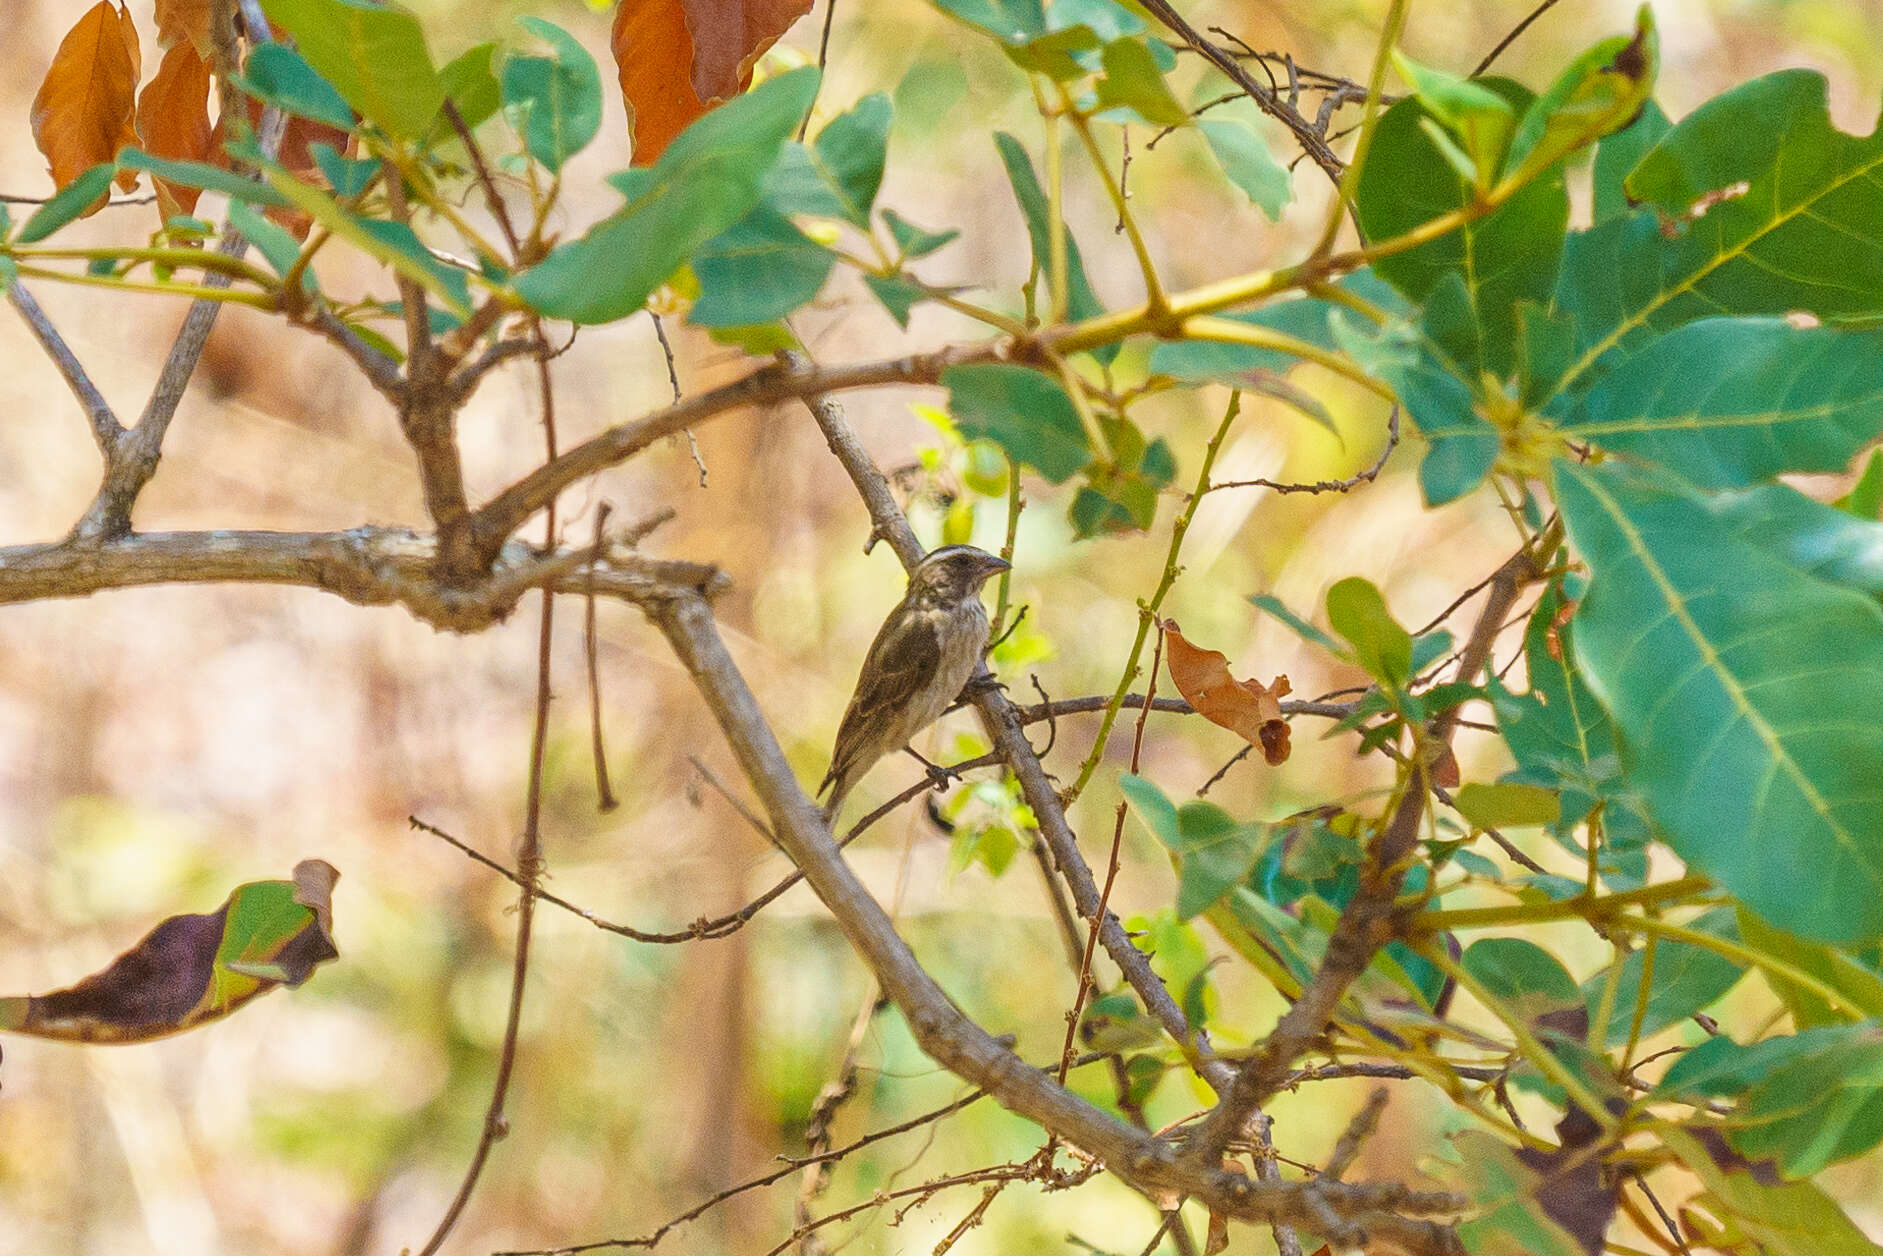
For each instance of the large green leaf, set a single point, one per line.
(1744, 693)
(759, 269)
(373, 53)
(1024, 412)
(838, 176)
(1807, 534)
(1503, 258)
(705, 181)
(1792, 220)
(1732, 401)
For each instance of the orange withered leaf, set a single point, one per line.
(1247, 708)
(678, 58)
(82, 114)
(184, 22)
(173, 120)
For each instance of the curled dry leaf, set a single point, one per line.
(82, 114)
(173, 120)
(678, 58)
(196, 968)
(1247, 708)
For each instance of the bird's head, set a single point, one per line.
(952, 574)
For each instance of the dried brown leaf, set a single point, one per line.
(83, 111)
(184, 22)
(678, 58)
(173, 120)
(1247, 708)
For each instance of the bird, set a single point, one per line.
(923, 655)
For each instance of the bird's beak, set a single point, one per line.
(993, 566)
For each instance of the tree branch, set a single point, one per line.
(106, 430)
(367, 566)
(779, 381)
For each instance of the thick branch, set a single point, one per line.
(780, 381)
(366, 566)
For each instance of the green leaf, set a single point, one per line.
(1081, 301)
(1243, 154)
(1480, 118)
(1780, 1218)
(1818, 1107)
(1523, 975)
(759, 269)
(1804, 232)
(275, 243)
(1507, 1197)
(1213, 850)
(1508, 805)
(850, 154)
(470, 82)
(348, 178)
(1026, 413)
(1120, 494)
(1600, 92)
(1617, 156)
(1865, 499)
(1357, 612)
(393, 243)
(281, 76)
(897, 294)
(706, 180)
(1732, 401)
(373, 53)
(555, 102)
(1508, 256)
(914, 241)
(199, 174)
(1299, 626)
(68, 203)
(1687, 978)
(1010, 21)
(1744, 693)
(1132, 82)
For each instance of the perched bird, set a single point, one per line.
(922, 656)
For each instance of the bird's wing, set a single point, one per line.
(901, 662)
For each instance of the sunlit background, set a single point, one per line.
(158, 747)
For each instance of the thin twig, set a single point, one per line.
(1511, 38)
(1352, 482)
(605, 799)
(106, 430)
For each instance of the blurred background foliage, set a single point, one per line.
(157, 746)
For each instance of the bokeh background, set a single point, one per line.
(159, 746)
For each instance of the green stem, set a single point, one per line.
(1014, 506)
(1609, 907)
(255, 300)
(1231, 331)
(1147, 611)
(1369, 123)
